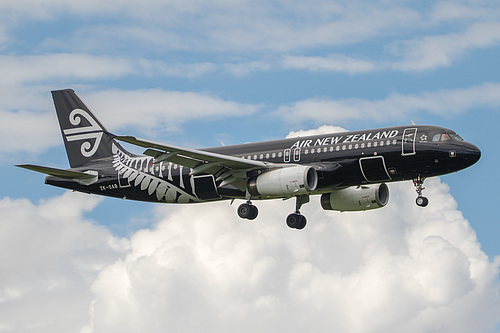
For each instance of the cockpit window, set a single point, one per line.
(446, 137)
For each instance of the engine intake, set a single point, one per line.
(284, 182)
(354, 199)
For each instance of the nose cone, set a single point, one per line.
(470, 154)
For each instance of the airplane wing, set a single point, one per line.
(227, 169)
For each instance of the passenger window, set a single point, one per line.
(436, 137)
(445, 137)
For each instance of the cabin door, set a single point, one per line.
(408, 142)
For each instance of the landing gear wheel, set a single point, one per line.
(296, 221)
(422, 201)
(303, 222)
(244, 210)
(248, 211)
(253, 213)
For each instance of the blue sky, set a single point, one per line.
(195, 73)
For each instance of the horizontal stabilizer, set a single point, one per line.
(58, 172)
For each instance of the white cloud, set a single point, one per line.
(192, 70)
(147, 111)
(452, 11)
(156, 109)
(25, 131)
(332, 63)
(246, 68)
(255, 29)
(401, 268)
(31, 69)
(395, 107)
(260, 31)
(249, 26)
(325, 129)
(49, 256)
(431, 52)
(36, 69)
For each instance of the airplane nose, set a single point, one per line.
(477, 154)
(471, 154)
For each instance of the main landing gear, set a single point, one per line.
(419, 187)
(295, 220)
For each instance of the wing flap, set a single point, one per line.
(172, 157)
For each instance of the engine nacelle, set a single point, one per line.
(283, 182)
(358, 198)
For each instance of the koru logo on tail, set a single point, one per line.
(94, 131)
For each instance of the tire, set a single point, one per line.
(303, 222)
(296, 221)
(253, 212)
(244, 210)
(422, 201)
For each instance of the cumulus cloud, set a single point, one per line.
(200, 268)
(396, 106)
(49, 256)
(401, 268)
(325, 129)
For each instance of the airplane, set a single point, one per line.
(350, 170)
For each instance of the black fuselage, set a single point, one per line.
(340, 159)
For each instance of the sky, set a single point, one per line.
(197, 73)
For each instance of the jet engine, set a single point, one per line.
(358, 198)
(282, 182)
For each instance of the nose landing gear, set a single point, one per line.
(419, 187)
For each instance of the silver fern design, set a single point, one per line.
(140, 172)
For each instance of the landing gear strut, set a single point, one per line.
(419, 187)
(297, 220)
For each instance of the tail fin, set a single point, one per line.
(84, 136)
